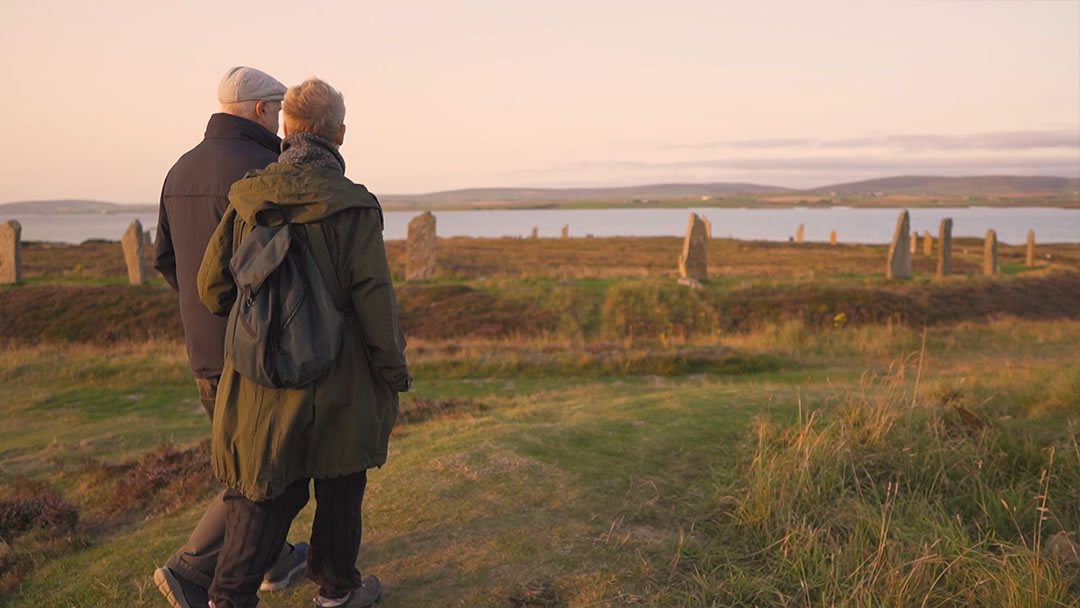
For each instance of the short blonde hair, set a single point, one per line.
(314, 106)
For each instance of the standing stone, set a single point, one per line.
(708, 227)
(420, 249)
(899, 263)
(566, 231)
(990, 265)
(914, 243)
(133, 252)
(693, 263)
(799, 234)
(832, 237)
(927, 243)
(10, 252)
(1031, 249)
(535, 232)
(944, 251)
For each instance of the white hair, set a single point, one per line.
(243, 109)
(314, 106)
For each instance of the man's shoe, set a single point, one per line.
(280, 576)
(363, 596)
(180, 592)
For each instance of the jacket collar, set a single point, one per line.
(228, 126)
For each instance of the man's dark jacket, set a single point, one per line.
(193, 199)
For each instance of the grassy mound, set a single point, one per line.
(579, 310)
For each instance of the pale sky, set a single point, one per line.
(102, 97)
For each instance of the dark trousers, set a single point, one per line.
(197, 559)
(254, 532)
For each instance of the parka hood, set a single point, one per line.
(300, 194)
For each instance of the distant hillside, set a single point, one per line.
(521, 197)
(557, 195)
(67, 206)
(946, 186)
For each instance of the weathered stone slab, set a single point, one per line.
(1030, 258)
(708, 227)
(535, 233)
(799, 233)
(693, 263)
(11, 252)
(832, 237)
(944, 252)
(914, 243)
(990, 250)
(899, 262)
(421, 248)
(133, 252)
(566, 231)
(927, 243)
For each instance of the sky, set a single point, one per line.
(102, 97)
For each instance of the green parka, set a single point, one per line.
(264, 438)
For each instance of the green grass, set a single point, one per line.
(661, 486)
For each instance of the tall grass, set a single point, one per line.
(889, 501)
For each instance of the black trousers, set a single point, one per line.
(254, 532)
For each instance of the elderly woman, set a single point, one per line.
(268, 443)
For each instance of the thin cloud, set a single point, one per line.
(987, 141)
(797, 172)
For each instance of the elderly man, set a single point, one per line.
(269, 443)
(241, 138)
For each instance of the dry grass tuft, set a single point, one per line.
(538, 593)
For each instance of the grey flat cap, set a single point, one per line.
(246, 84)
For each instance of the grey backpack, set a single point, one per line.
(284, 329)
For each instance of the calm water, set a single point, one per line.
(852, 225)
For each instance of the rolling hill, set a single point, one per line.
(555, 195)
(948, 186)
(70, 206)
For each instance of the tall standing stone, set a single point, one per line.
(566, 231)
(535, 232)
(944, 251)
(899, 263)
(832, 237)
(1031, 248)
(990, 265)
(133, 252)
(421, 248)
(708, 227)
(927, 243)
(11, 252)
(799, 233)
(693, 263)
(914, 243)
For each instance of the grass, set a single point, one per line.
(511, 481)
(584, 432)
